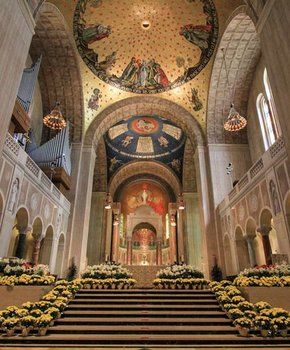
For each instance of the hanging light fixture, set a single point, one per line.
(235, 122)
(55, 120)
(108, 202)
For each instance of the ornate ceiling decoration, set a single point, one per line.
(145, 138)
(147, 47)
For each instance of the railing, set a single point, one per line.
(16, 153)
(268, 159)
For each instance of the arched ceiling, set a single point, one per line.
(242, 50)
(147, 138)
(145, 168)
(160, 45)
(59, 75)
(145, 105)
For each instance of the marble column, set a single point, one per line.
(158, 252)
(16, 31)
(20, 250)
(36, 250)
(82, 207)
(264, 230)
(129, 251)
(180, 236)
(108, 233)
(252, 254)
(115, 241)
(172, 239)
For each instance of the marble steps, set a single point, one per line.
(143, 321)
(145, 306)
(98, 301)
(139, 340)
(145, 296)
(128, 319)
(152, 313)
(143, 329)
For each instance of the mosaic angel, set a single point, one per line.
(197, 34)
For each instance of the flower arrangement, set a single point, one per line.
(106, 270)
(246, 316)
(108, 275)
(9, 325)
(267, 271)
(180, 276)
(26, 280)
(17, 267)
(244, 322)
(176, 271)
(265, 276)
(39, 314)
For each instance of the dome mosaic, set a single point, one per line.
(147, 47)
(145, 138)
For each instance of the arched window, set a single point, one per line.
(267, 114)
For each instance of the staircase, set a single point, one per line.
(143, 318)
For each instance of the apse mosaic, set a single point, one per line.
(145, 137)
(163, 44)
(142, 194)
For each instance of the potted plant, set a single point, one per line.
(27, 323)
(42, 323)
(262, 323)
(244, 325)
(9, 325)
(235, 313)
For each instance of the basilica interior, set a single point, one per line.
(145, 133)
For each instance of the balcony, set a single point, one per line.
(270, 158)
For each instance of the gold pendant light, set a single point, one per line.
(55, 120)
(234, 122)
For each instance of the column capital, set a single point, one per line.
(264, 230)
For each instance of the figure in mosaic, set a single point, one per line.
(195, 100)
(94, 101)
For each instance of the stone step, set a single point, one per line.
(147, 291)
(143, 320)
(144, 296)
(129, 313)
(143, 306)
(142, 300)
(122, 340)
(161, 329)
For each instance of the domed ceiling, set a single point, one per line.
(145, 137)
(162, 45)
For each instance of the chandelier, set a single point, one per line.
(55, 120)
(234, 122)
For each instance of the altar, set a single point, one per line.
(144, 274)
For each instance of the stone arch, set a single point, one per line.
(1, 207)
(251, 226)
(265, 217)
(266, 220)
(242, 249)
(32, 237)
(228, 256)
(242, 51)
(17, 237)
(60, 254)
(144, 105)
(287, 209)
(59, 75)
(46, 246)
(145, 167)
